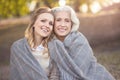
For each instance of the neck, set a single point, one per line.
(61, 38)
(38, 41)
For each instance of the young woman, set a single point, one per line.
(71, 51)
(30, 59)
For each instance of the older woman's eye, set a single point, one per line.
(58, 19)
(67, 20)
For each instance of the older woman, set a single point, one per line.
(30, 59)
(71, 51)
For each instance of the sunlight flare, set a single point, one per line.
(95, 7)
(32, 5)
(62, 2)
(84, 8)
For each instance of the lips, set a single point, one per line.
(45, 29)
(61, 29)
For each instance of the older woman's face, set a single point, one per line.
(63, 24)
(44, 25)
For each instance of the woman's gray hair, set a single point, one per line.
(74, 18)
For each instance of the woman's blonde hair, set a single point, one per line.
(74, 18)
(29, 32)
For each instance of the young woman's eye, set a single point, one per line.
(42, 20)
(51, 23)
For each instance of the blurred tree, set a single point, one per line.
(48, 3)
(77, 3)
(16, 8)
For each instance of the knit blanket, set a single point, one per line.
(75, 59)
(24, 66)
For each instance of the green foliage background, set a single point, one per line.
(16, 8)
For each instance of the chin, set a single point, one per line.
(44, 35)
(62, 34)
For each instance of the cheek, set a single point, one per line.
(51, 28)
(69, 25)
(55, 29)
(56, 23)
(37, 24)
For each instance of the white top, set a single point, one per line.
(43, 59)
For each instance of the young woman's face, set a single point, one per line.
(63, 24)
(43, 25)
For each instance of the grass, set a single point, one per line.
(109, 58)
(111, 61)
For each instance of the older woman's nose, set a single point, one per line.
(63, 23)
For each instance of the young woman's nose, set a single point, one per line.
(47, 24)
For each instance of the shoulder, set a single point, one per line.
(79, 36)
(18, 43)
(75, 37)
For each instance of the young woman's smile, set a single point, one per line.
(44, 25)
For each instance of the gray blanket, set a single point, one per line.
(23, 65)
(75, 60)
